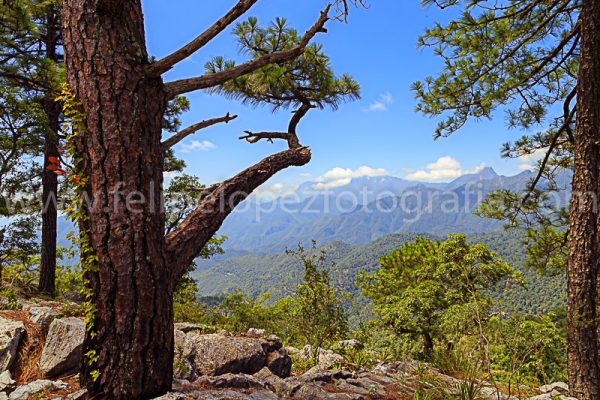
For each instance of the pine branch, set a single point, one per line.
(566, 127)
(255, 137)
(179, 136)
(165, 64)
(186, 241)
(182, 86)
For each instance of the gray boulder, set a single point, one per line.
(328, 359)
(185, 353)
(219, 355)
(7, 383)
(62, 352)
(231, 381)
(559, 387)
(42, 316)
(279, 362)
(11, 333)
(187, 327)
(79, 395)
(220, 395)
(24, 392)
(216, 354)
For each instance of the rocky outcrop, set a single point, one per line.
(62, 352)
(336, 385)
(217, 354)
(224, 367)
(11, 333)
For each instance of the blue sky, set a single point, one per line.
(382, 131)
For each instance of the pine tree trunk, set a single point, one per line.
(427, 343)
(122, 158)
(584, 366)
(47, 281)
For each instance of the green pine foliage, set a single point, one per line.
(521, 58)
(426, 287)
(309, 78)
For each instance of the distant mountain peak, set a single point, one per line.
(487, 173)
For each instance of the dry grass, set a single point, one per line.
(27, 368)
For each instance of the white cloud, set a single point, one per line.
(382, 103)
(527, 162)
(305, 174)
(275, 190)
(338, 176)
(444, 169)
(197, 145)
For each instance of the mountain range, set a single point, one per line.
(366, 209)
(279, 274)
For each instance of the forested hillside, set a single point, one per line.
(279, 274)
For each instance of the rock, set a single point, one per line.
(368, 386)
(271, 343)
(325, 376)
(551, 396)
(185, 352)
(310, 391)
(560, 387)
(11, 333)
(220, 395)
(271, 381)
(232, 381)
(62, 352)
(24, 392)
(7, 383)
(351, 344)
(279, 362)
(186, 327)
(257, 332)
(78, 395)
(218, 354)
(3, 396)
(545, 396)
(346, 387)
(42, 316)
(328, 359)
(75, 297)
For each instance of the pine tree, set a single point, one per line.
(19, 142)
(121, 101)
(317, 308)
(425, 283)
(30, 43)
(539, 60)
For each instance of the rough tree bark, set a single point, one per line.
(52, 110)
(584, 247)
(47, 283)
(124, 98)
